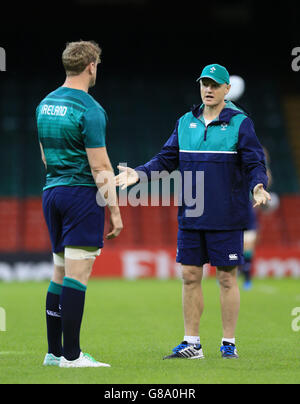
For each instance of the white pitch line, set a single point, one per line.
(269, 290)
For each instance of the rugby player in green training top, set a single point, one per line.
(71, 131)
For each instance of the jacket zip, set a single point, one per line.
(215, 123)
(206, 127)
(205, 133)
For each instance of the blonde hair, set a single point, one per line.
(78, 55)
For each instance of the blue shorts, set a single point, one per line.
(73, 217)
(219, 248)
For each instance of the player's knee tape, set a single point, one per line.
(58, 260)
(250, 236)
(81, 254)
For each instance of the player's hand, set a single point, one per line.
(116, 224)
(260, 195)
(128, 176)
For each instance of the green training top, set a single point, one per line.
(69, 121)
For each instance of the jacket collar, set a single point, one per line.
(226, 114)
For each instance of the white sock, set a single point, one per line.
(192, 339)
(229, 340)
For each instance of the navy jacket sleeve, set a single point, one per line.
(252, 155)
(166, 160)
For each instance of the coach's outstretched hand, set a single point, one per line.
(260, 196)
(128, 176)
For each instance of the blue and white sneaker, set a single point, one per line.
(51, 360)
(229, 352)
(186, 351)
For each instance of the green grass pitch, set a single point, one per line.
(133, 324)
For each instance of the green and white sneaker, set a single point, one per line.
(84, 361)
(51, 360)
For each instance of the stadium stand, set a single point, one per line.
(23, 227)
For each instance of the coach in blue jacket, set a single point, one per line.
(218, 140)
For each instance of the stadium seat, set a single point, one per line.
(35, 236)
(146, 226)
(9, 220)
(154, 225)
(271, 232)
(290, 207)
